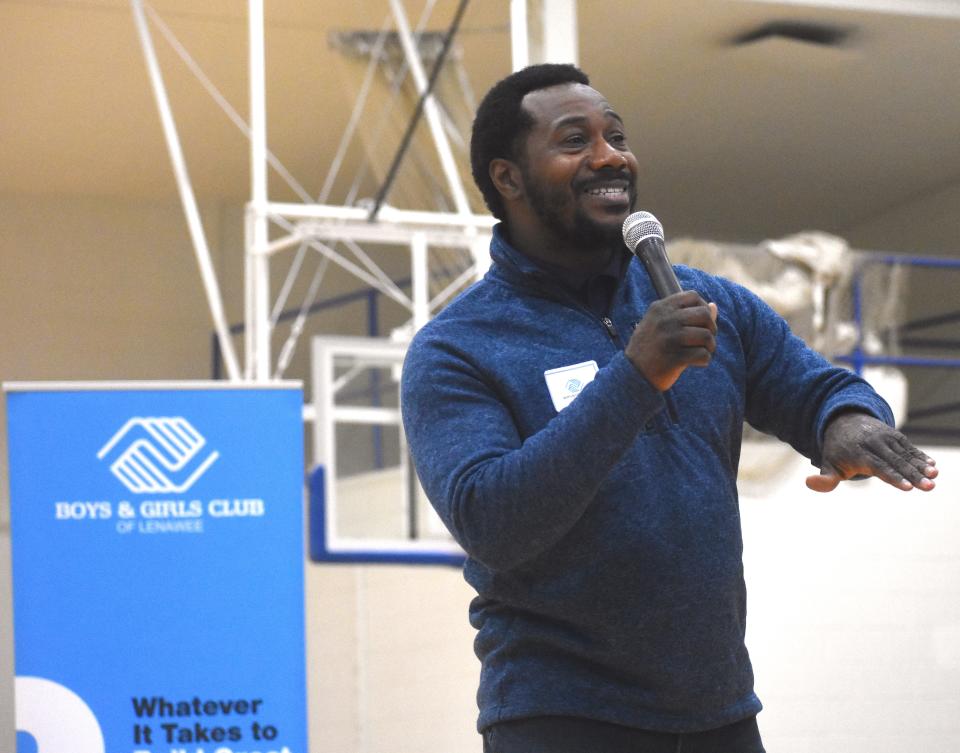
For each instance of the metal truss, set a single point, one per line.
(541, 30)
(444, 232)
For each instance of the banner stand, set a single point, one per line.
(157, 546)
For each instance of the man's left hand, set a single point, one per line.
(857, 444)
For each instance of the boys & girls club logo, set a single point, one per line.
(158, 455)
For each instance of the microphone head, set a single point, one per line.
(638, 226)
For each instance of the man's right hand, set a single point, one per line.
(676, 332)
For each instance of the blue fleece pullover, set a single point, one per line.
(604, 540)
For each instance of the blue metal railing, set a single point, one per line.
(859, 359)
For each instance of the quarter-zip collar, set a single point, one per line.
(594, 291)
(511, 264)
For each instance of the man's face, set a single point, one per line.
(579, 175)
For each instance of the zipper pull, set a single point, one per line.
(611, 330)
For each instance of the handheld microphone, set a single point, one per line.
(643, 234)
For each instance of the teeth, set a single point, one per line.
(604, 191)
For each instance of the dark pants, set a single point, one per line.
(566, 734)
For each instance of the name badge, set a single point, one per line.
(567, 382)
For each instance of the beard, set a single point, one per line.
(587, 235)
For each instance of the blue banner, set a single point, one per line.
(157, 539)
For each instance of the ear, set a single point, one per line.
(506, 177)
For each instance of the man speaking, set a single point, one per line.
(579, 436)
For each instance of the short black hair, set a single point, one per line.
(501, 122)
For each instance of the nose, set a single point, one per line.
(604, 154)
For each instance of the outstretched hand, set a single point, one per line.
(857, 444)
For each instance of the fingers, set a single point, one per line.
(879, 451)
(825, 481)
(829, 477)
(925, 465)
(686, 299)
(692, 326)
(696, 346)
(695, 342)
(892, 470)
(697, 339)
(692, 310)
(889, 456)
(676, 332)
(909, 468)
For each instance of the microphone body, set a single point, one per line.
(653, 255)
(643, 235)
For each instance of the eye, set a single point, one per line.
(574, 139)
(617, 138)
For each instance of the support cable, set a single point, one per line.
(469, 97)
(371, 265)
(358, 108)
(344, 262)
(288, 285)
(187, 197)
(362, 255)
(290, 345)
(440, 298)
(348, 376)
(218, 97)
(431, 110)
(418, 112)
(396, 83)
(375, 58)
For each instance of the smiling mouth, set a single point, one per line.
(608, 191)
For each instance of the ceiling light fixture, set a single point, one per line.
(807, 32)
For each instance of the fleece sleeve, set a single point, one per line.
(792, 391)
(504, 499)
